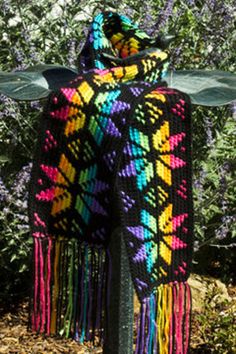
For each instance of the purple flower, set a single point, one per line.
(224, 170)
(20, 58)
(4, 193)
(198, 184)
(222, 231)
(22, 217)
(129, 12)
(25, 35)
(175, 57)
(148, 22)
(5, 6)
(19, 186)
(191, 2)
(22, 227)
(72, 54)
(165, 14)
(209, 126)
(226, 220)
(9, 107)
(234, 109)
(65, 25)
(36, 105)
(211, 4)
(32, 50)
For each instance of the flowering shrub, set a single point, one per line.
(54, 31)
(15, 243)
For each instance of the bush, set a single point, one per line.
(214, 328)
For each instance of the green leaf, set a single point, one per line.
(23, 268)
(44, 67)
(13, 257)
(24, 86)
(205, 88)
(4, 159)
(35, 83)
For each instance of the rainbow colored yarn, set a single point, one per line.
(115, 133)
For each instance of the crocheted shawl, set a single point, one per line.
(114, 150)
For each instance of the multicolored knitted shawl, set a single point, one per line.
(114, 150)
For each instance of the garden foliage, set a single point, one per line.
(53, 32)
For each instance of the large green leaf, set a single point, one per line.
(36, 82)
(205, 88)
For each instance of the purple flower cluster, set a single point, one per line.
(222, 231)
(191, 2)
(34, 56)
(36, 105)
(9, 107)
(165, 14)
(175, 57)
(129, 12)
(72, 54)
(198, 184)
(148, 22)
(15, 201)
(234, 109)
(221, 19)
(20, 58)
(211, 4)
(4, 193)
(224, 171)
(19, 186)
(226, 220)
(5, 6)
(209, 128)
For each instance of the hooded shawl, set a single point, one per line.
(114, 150)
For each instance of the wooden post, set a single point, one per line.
(119, 324)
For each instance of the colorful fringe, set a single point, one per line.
(69, 289)
(164, 321)
(69, 300)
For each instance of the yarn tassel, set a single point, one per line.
(164, 321)
(48, 286)
(35, 310)
(42, 289)
(69, 289)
